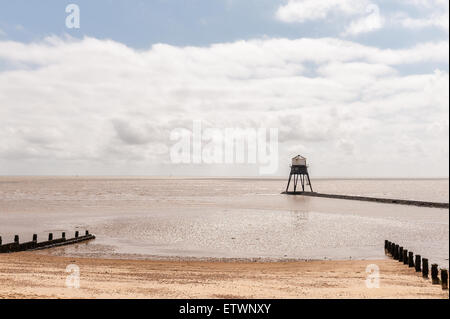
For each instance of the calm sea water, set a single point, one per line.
(225, 218)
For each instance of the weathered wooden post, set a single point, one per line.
(396, 249)
(405, 256)
(17, 246)
(411, 259)
(435, 274)
(400, 254)
(425, 268)
(418, 263)
(386, 246)
(444, 279)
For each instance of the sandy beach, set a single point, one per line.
(29, 275)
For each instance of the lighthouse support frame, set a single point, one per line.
(299, 172)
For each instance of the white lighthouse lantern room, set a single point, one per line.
(299, 161)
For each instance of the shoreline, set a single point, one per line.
(161, 258)
(31, 275)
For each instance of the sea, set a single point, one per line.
(225, 218)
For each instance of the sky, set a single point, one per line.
(359, 87)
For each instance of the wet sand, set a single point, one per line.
(223, 218)
(29, 275)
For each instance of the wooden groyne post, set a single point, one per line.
(405, 256)
(425, 268)
(418, 263)
(444, 279)
(411, 259)
(397, 252)
(435, 274)
(16, 246)
(421, 264)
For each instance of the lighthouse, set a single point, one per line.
(299, 170)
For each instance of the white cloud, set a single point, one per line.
(432, 13)
(433, 4)
(363, 16)
(304, 10)
(437, 20)
(373, 21)
(68, 105)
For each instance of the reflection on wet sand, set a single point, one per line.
(217, 218)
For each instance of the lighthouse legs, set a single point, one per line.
(289, 181)
(304, 181)
(309, 182)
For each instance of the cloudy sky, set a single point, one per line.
(358, 87)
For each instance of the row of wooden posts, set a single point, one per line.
(32, 245)
(420, 264)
